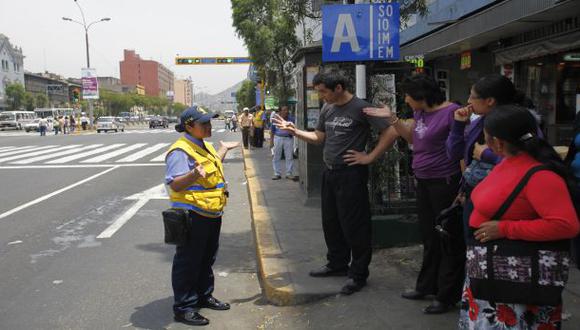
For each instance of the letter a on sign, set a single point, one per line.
(344, 21)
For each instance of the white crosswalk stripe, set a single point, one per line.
(115, 153)
(20, 150)
(36, 152)
(56, 154)
(142, 153)
(85, 154)
(160, 158)
(151, 131)
(6, 148)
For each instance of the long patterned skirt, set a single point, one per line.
(479, 314)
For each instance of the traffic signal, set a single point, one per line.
(187, 60)
(76, 95)
(211, 60)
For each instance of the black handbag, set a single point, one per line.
(449, 226)
(515, 271)
(176, 224)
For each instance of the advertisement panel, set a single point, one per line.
(90, 84)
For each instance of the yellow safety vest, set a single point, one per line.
(207, 196)
(258, 122)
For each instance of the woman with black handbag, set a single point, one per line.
(522, 221)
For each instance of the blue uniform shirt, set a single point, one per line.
(179, 163)
(283, 133)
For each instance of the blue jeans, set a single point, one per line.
(192, 275)
(283, 145)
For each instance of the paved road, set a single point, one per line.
(59, 193)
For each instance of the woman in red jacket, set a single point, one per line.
(542, 212)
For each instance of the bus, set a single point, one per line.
(53, 112)
(15, 119)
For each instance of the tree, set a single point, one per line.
(177, 108)
(41, 101)
(29, 101)
(268, 30)
(246, 95)
(15, 95)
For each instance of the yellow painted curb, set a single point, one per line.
(273, 273)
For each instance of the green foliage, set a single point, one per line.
(15, 96)
(41, 101)
(267, 28)
(246, 95)
(29, 101)
(112, 103)
(177, 109)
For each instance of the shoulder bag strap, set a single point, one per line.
(504, 207)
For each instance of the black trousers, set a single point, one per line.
(346, 220)
(441, 274)
(192, 275)
(258, 137)
(245, 136)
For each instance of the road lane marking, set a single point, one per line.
(142, 153)
(115, 153)
(56, 154)
(54, 193)
(19, 150)
(40, 166)
(157, 192)
(85, 154)
(6, 148)
(160, 158)
(220, 130)
(38, 153)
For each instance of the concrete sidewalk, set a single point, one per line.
(290, 242)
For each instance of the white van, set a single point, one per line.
(16, 119)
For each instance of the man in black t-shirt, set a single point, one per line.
(343, 129)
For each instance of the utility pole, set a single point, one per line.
(86, 27)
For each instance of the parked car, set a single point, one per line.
(33, 126)
(105, 124)
(158, 122)
(173, 119)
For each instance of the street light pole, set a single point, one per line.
(86, 27)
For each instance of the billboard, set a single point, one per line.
(90, 84)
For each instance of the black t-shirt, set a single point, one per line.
(346, 127)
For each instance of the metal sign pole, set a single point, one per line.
(361, 75)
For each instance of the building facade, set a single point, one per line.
(110, 84)
(534, 43)
(153, 76)
(59, 91)
(183, 92)
(12, 69)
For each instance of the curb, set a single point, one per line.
(272, 272)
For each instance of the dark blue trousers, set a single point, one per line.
(192, 275)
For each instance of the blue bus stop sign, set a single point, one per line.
(362, 32)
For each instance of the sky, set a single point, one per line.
(155, 29)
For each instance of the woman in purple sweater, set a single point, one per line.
(466, 140)
(437, 176)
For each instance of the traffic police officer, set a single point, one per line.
(196, 183)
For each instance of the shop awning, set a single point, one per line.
(537, 49)
(507, 18)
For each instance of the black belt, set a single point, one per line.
(336, 167)
(283, 136)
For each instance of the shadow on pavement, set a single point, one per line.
(155, 315)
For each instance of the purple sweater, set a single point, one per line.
(461, 141)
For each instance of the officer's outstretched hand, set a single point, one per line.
(230, 145)
(199, 170)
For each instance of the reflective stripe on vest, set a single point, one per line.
(206, 196)
(198, 187)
